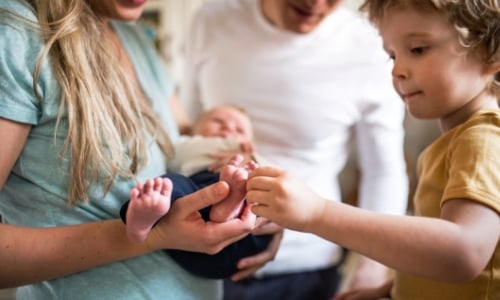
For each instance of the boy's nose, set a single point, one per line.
(399, 70)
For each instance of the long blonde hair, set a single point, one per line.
(107, 119)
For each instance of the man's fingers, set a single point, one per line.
(267, 228)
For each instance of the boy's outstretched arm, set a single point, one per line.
(455, 247)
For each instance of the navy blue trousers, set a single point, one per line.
(311, 285)
(222, 264)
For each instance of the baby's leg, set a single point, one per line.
(236, 177)
(148, 203)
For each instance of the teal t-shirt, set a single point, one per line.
(35, 192)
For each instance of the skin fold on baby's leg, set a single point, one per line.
(236, 177)
(148, 203)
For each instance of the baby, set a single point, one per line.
(223, 129)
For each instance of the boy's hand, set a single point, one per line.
(282, 198)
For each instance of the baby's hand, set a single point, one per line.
(284, 199)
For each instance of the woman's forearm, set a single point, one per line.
(31, 255)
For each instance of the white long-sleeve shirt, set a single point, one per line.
(309, 98)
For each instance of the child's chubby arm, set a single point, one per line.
(455, 247)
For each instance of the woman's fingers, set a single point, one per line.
(203, 197)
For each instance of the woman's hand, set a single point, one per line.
(249, 265)
(183, 227)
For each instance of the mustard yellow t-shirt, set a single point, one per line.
(462, 163)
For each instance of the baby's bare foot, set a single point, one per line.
(148, 203)
(236, 177)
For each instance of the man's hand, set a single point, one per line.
(250, 265)
(369, 274)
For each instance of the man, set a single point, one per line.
(314, 80)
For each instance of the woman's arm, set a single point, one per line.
(13, 136)
(455, 247)
(31, 255)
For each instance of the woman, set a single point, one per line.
(79, 90)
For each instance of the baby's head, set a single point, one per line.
(477, 23)
(225, 121)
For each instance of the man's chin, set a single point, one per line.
(302, 29)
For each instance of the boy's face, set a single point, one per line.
(432, 72)
(225, 122)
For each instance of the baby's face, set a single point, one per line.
(225, 122)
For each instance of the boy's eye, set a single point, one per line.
(418, 50)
